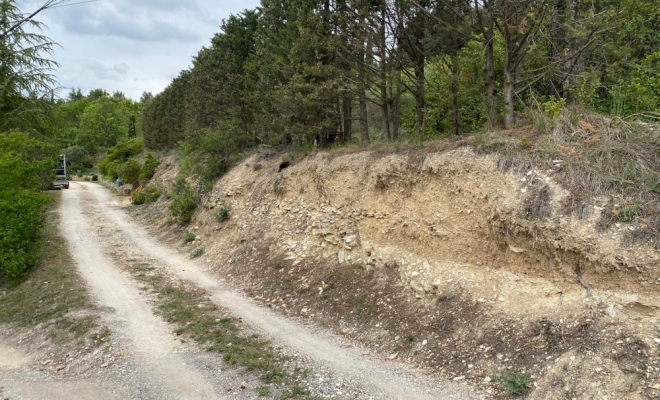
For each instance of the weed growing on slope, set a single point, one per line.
(515, 385)
(223, 212)
(188, 237)
(197, 253)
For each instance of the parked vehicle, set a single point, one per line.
(61, 180)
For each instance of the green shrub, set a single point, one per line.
(628, 213)
(223, 212)
(516, 385)
(197, 252)
(120, 153)
(148, 168)
(77, 155)
(183, 201)
(138, 197)
(152, 194)
(25, 166)
(148, 195)
(129, 172)
(188, 237)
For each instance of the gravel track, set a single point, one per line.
(149, 363)
(348, 362)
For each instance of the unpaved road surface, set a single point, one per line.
(153, 365)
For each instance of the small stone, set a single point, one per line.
(610, 311)
(393, 356)
(657, 340)
(487, 379)
(424, 342)
(459, 378)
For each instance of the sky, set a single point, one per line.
(130, 45)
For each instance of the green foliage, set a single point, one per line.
(129, 172)
(525, 143)
(152, 194)
(149, 168)
(26, 165)
(148, 195)
(223, 212)
(103, 124)
(119, 154)
(78, 156)
(553, 107)
(188, 237)
(197, 253)
(628, 212)
(184, 202)
(25, 79)
(515, 385)
(138, 197)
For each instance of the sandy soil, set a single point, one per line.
(451, 261)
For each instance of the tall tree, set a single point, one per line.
(25, 72)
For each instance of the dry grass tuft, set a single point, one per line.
(594, 157)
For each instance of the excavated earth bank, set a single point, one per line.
(440, 259)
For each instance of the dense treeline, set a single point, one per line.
(35, 127)
(25, 161)
(300, 70)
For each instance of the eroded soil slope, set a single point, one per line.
(440, 259)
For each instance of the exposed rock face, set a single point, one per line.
(427, 230)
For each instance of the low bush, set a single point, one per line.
(152, 194)
(119, 154)
(184, 202)
(197, 253)
(129, 172)
(25, 166)
(188, 237)
(223, 212)
(516, 385)
(148, 168)
(148, 195)
(138, 197)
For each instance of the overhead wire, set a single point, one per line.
(47, 5)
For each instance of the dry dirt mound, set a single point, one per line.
(449, 260)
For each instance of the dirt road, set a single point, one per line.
(154, 366)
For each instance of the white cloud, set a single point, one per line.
(116, 72)
(131, 46)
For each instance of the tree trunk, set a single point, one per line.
(396, 106)
(347, 112)
(362, 97)
(491, 88)
(489, 72)
(383, 75)
(419, 96)
(454, 94)
(510, 76)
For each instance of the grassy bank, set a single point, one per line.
(52, 296)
